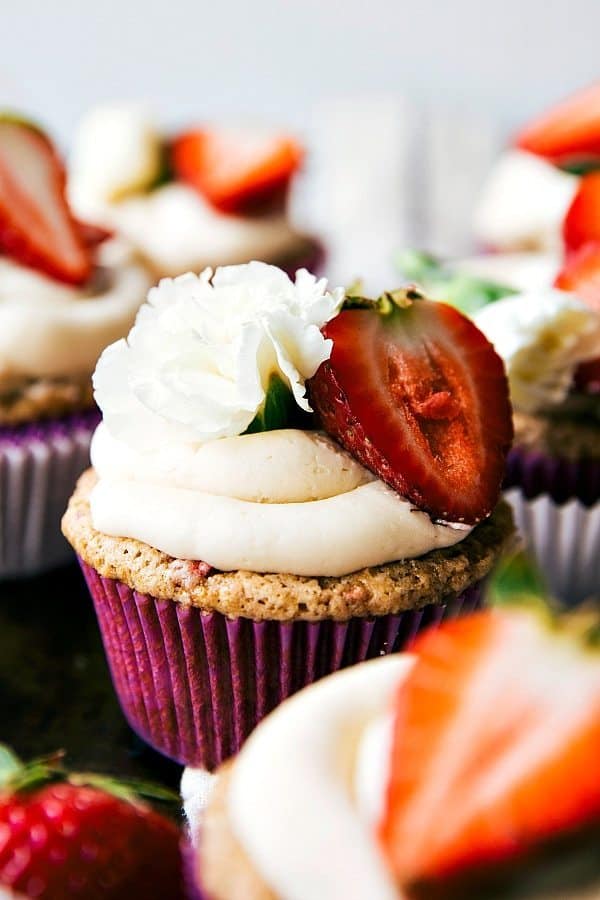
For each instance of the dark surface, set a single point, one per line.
(55, 687)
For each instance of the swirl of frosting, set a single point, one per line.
(542, 337)
(322, 793)
(197, 364)
(49, 329)
(286, 501)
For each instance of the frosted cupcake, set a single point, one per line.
(448, 772)
(204, 197)
(236, 547)
(64, 295)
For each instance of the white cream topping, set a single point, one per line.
(542, 337)
(285, 466)
(176, 231)
(291, 802)
(526, 271)
(365, 525)
(117, 157)
(198, 362)
(49, 329)
(523, 203)
(117, 152)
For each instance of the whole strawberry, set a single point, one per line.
(82, 836)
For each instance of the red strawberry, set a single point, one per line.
(582, 222)
(418, 395)
(237, 171)
(83, 837)
(92, 235)
(581, 274)
(495, 752)
(36, 226)
(567, 133)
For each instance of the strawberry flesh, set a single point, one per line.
(582, 221)
(420, 397)
(581, 274)
(495, 751)
(569, 132)
(36, 226)
(237, 172)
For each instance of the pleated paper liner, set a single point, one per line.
(39, 465)
(556, 503)
(194, 685)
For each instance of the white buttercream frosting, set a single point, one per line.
(117, 158)
(321, 515)
(49, 329)
(292, 801)
(542, 337)
(197, 364)
(523, 203)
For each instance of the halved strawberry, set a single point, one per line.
(495, 753)
(418, 395)
(237, 171)
(569, 132)
(582, 221)
(36, 226)
(581, 274)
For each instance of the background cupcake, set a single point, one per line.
(202, 197)
(64, 294)
(355, 770)
(235, 553)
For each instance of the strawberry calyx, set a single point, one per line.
(18, 777)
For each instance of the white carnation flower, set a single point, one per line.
(197, 363)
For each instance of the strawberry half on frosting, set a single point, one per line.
(418, 395)
(37, 228)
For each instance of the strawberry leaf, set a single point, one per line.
(440, 282)
(278, 409)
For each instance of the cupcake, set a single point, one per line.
(237, 546)
(207, 196)
(448, 772)
(65, 293)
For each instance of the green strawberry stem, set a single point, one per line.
(18, 777)
(517, 581)
(441, 282)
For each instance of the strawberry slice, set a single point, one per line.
(418, 395)
(495, 752)
(237, 171)
(36, 226)
(582, 221)
(581, 274)
(569, 133)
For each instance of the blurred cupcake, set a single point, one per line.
(234, 552)
(64, 295)
(452, 771)
(204, 197)
(550, 342)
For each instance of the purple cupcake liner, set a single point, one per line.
(535, 473)
(556, 503)
(191, 887)
(39, 465)
(193, 685)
